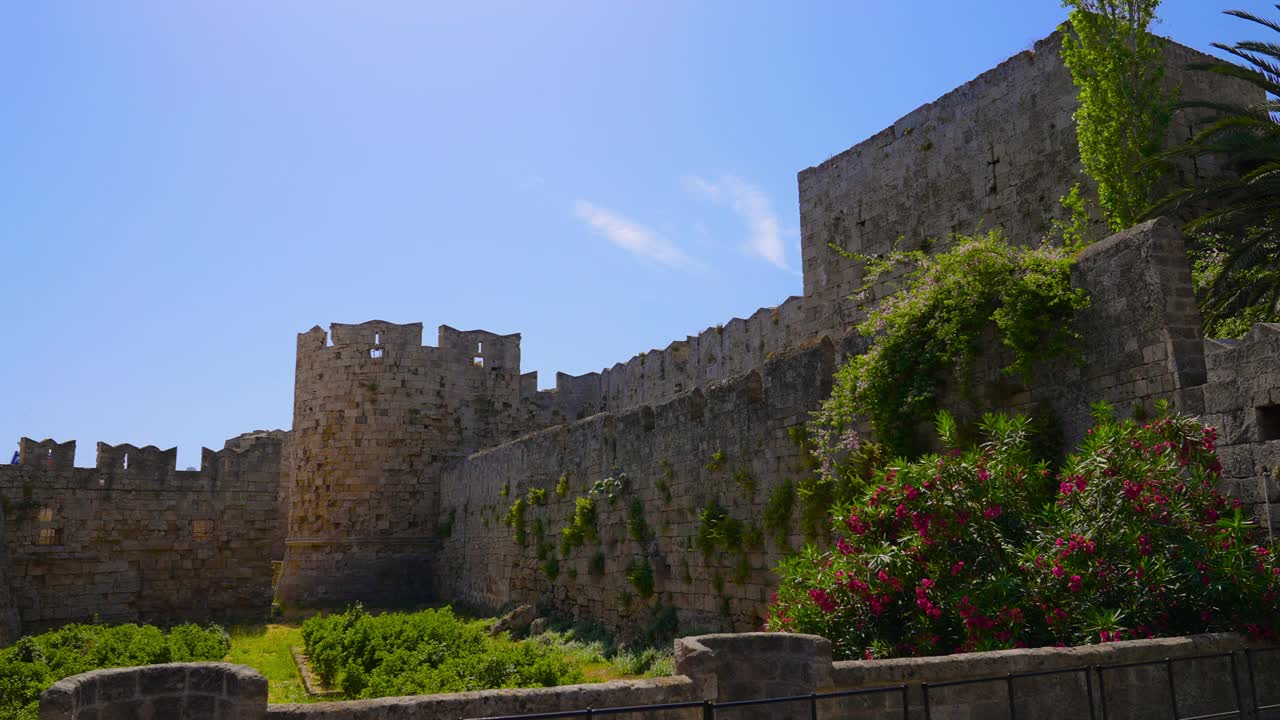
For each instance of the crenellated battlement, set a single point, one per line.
(126, 466)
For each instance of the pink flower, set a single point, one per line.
(823, 600)
(1075, 584)
(955, 569)
(845, 547)
(992, 512)
(983, 475)
(912, 493)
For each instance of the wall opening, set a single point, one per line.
(478, 361)
(45, 514)
(49, 536)
(1268, 422)
(377, 338)
(125, 464)
(375, 353)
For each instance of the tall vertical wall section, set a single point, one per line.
(996, 153)
(133, 538)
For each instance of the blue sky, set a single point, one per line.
(187, 185)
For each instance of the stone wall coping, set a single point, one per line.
(480, 703)
(855, 674)
(107, 686)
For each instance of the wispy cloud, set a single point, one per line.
(633, 237)
(751, 204)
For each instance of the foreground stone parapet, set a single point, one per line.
(1200, 675)
(174, 691)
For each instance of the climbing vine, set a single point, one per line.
(932, 327)
(1124, 108)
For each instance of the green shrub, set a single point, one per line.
(640, 573)
(515, 520)
(718, 530)
(637, 528)
(537, 496)
(777, 513)
(35, 662)
(430, 651)
(562, 485)
(931, 329)
(718, 459)
(581, 527)
(984, 548)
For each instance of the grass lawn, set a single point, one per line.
(268, 649)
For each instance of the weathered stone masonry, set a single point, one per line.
(134, 538)
(389, 488)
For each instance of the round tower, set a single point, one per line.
(375, 416)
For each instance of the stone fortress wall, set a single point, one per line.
(134, 538)
(996, 152)
(390, 486)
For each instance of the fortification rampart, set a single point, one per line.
(375, 416)
(733, 443)
(1198, 676)
(726, 446)
(996, 152)
(133, 538)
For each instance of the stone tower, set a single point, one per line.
(375, 416)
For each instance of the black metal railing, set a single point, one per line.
(1097, 703)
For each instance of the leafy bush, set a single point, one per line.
(932, 328)
(35, 662)
(640, 574)
(537, 496)
(777, 512)
(431, 651)
(984, 548)
(515, 520)
(562, 485)
(717, 529)
(581, 527)
(637, 528)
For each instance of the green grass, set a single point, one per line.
(266, 648)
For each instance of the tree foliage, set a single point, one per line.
(1124, 109)
(1236, 242)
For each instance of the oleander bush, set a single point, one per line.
(431, 651)
(986, 547)
(35, 662)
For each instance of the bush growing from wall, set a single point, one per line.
(984, 548)
(931, 329)
(35, 662)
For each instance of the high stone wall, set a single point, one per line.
(666, 453)
(376, 414)
(1141, 343)
(10, 627)
(996, 152)
(135, 539)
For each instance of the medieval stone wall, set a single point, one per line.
(1141, 343)
(135, 539)
(375, 416)
(10, 628)
(728, 444)
(997, 152)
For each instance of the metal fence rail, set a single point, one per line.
(1097, 703)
